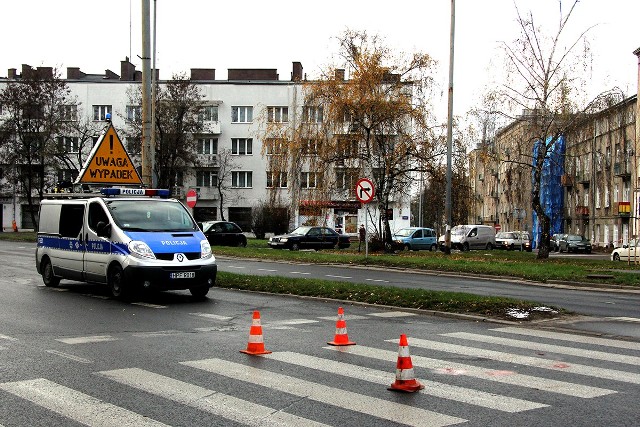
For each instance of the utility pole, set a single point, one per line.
(447, 206)
(147, 149)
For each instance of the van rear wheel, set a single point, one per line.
(199, 292)
(115, 280)
(48, 278)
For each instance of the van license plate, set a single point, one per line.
(182, 275)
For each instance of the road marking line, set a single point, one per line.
(337, 277)
(157, 334)
(213, 316)
(445, 366)
(536, 362)
(529, 345)
(213, 402)
(392, 314)
(440, 390)
(78, 406)
(400, 413)
(69, 356)
(299, 272)
(347, 317)
(239, 267)
(570, 337)
(149, 305)
(8, 338)
(376, 280)
(267, 269)
(87, 340)
(625, 319)
(290, 322)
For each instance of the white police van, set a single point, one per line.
(124, 238)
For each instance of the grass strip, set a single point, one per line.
(450, 302)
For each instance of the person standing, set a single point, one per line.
(363, 235)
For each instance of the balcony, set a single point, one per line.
(207, 193)
(210, 126)
(566, 180)
(624, 209)
(582, 211)
(622, 169)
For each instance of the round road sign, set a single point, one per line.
(192, 198)
(365, 190)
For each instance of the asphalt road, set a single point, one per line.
(72, 356)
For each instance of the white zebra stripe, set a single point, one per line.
(403, 414)
(432, 388)
(572, 351)
(78, 406)
(87, 340)
(210, 401)
(528, 381)
(571, 337)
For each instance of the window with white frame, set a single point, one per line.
(134, 113)
(309, 146)
(597, 197)
(309, 179)
(626, 192)
(275, 146)
(606, 196)
(597, 238)
(312, 114)
(68, 112)
(206, 178)
(241, 114)
(207, 145)
(69, 144)
(209, 113)
(100, 112)
(616, 193)
(242, 146)
(242, 179)
(346, 179)
(276, 179)
(278, 114)
(67, 175)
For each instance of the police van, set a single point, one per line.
(125, 238)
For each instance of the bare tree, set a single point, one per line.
(226, 162)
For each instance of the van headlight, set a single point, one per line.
(141, 249)
(205, 249)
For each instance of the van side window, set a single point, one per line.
(97, 214)
(71, 219)
(473, 232)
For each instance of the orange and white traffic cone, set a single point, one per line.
(256, 341)
(341, 337)
(405, 380)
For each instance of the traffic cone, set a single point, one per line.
(341, 337)
(256, 342)
(405, 380)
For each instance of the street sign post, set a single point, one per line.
(365, 190)
(192, 198)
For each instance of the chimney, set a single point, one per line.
(203, 74)
(74, 73)
(296, 75)
(11, 73)
(340, 74)
(108, 74)
(127, 70)
(26, 71)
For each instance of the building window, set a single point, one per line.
(69, 144)
(278, 114)
(134, 145)
(242, 179)
(597, 197)
(67, 175)
(68, 113)
(606, 196)
(309, 179)
(134, 113)
(276, 179)
(209, 113)
(312, 114)
(310, 146)
(241, 146)
(100, 112)
(207, 145)
(241, 114)
(275, 146)
(346, 179)
(206, 178)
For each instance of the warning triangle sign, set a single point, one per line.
(109, 163)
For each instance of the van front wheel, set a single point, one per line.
(490, 247)
(115, 280)
(48, 278)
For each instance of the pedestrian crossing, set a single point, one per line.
(498, 371)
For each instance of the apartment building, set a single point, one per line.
(235, 115)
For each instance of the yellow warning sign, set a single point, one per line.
(109, 163)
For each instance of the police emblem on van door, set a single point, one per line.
(180, 257)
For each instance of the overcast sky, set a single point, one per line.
(96, 35)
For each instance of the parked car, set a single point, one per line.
(466, 237)
(414, 239)
(526, 241)
(630, 252)
(513, 240)
(575, 243)
(554, 242)
(307, 237)
(223, 233)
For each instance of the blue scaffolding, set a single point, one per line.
(551, 190)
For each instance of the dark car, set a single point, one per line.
(307, 237)
(223, 233)
(575, 243)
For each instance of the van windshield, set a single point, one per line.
(150, 215)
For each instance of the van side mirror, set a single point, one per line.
(103, 229)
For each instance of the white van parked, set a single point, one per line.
(471, 236)
(124, 238)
